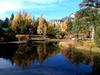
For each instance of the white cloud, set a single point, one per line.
(43, 1)
(12, 5)
(6, 6)
(20, 5)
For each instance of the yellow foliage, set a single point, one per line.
(42, 26)
(21, 20)
(64, 26)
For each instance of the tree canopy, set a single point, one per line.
(22, 23)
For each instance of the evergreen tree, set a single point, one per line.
(5, 23)
(12, 16)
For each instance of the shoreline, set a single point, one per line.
(77, 46)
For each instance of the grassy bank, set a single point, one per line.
(83, 45)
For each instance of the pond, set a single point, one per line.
(45, 59)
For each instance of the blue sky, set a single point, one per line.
(50, 9)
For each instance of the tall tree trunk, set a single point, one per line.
(92, 32)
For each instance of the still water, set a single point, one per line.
(43, 59)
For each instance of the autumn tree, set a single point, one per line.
(42, 26)
(64, 25)
(52, 30)
(65, 28)
(22, 23)
(36, 22)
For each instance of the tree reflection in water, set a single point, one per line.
(26, 54)
(76, 56)
(23, 57)
(82, 56)
(7, 51)
(96, 66)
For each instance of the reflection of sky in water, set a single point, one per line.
(5, 63)
(56, 64)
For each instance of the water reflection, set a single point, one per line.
(47, 57)
(76, 56)
(26, 54)
(81, 56)
(96, 66)
(7, 51)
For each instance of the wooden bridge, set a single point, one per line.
(35, 38)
